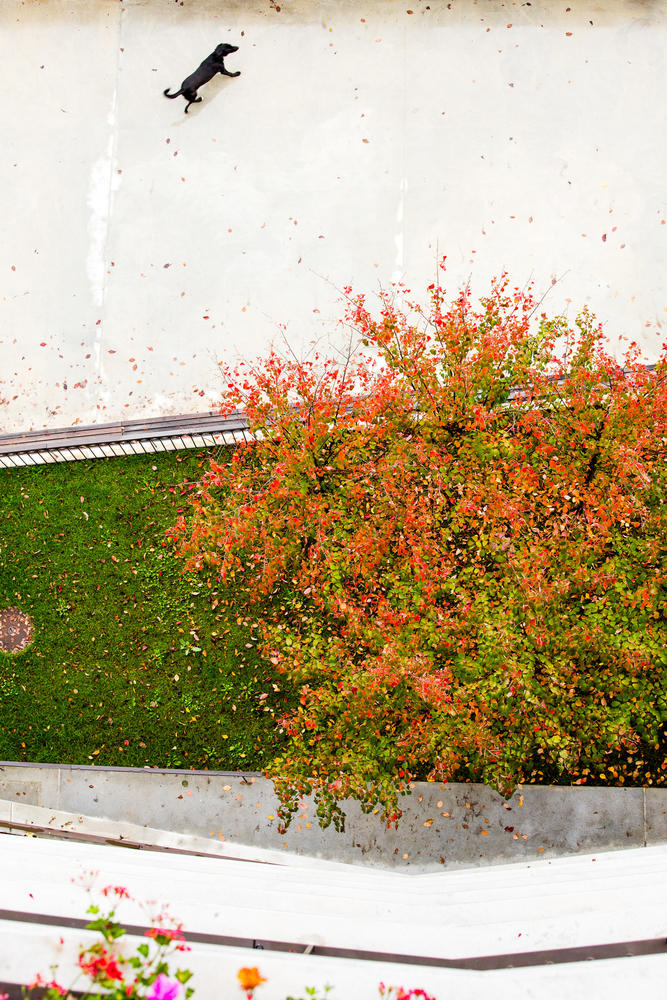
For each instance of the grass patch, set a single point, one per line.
(130, 663)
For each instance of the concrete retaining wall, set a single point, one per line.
(455, 825)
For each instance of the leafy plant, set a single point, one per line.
(451, 544)
(145, 973)
(141, 975)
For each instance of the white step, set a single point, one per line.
(28, 949)
(548, 905)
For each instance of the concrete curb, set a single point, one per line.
(18, 818)
(453, 825)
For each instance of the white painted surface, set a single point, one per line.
(508, 909)
(359, 143)
(567, 902)
(216, 973)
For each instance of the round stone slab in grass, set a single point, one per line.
(15, 630)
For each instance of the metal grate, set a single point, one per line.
(132, 437)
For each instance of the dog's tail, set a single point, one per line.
(171, 96)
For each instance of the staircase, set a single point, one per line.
(582, 926)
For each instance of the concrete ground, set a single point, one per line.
(363, 140)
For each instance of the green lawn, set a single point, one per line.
(130, 664)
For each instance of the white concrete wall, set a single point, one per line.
(363, 139)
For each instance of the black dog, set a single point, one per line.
(215, 63)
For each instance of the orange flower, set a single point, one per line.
(250, 978)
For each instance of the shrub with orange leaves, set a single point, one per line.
(451, 544)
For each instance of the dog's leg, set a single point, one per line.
(225, 72)
(190, 95)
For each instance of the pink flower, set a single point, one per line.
(398, 993)
(117, 890)
(164, 989)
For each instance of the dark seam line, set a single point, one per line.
(556, 956)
